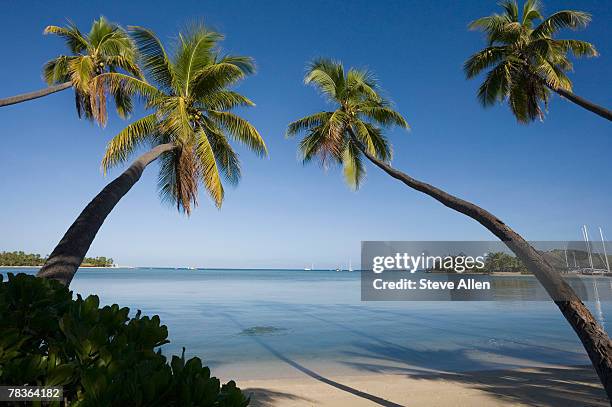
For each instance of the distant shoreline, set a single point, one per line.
(38, 266)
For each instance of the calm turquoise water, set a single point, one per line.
(317, 319)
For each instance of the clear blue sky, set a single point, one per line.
(545, 179)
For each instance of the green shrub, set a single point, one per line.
(100, 356)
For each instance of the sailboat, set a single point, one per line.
(311, 267)
(350, 266)
(592, 269)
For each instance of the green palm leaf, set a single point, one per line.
(210, 171)
(241, 130)
(360, 109)
(191, 99)
(563, 19)
(352, 164)
(523, 61)
(76, 42)
(125, 142)
(107, 48)
(155, 61)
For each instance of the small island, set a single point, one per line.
(22, 259)
(494, 263)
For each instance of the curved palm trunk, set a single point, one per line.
(34, 95)
(594, 339)
(68, 255)
(598, 110)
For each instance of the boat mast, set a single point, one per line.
(603, 243)
(585, 233)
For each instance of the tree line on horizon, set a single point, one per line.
(22, 259)
(188, 91)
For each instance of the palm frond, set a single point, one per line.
(241, 130)
(484, 59)
(307, 123)
(81, 71)
(313, 145)
(130, 85)
(209, 169)
(544, 69)
(155, 61)
(223, 100)
(127, 140)
(76, 42)
(100, 30)
(178, 175)
(213, 77)
(176, 125)
(123, 103)
(374, 140)
(246, 64)
(578, 48)
(496, 85)
(327, 75)
(361, 83)
(126, 63)
(352, 165)
(384, 116)
(511, 9)
(562, 19)
(226, 157)
(531, 12)
(56, 70)
(524, 96)
(194, 53)
(498, 28)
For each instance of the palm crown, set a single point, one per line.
(525, 59)
(107, 48)
(360, 114)
(189, 94)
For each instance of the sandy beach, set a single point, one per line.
(568, 386)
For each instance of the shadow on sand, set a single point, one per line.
(375, 399)
(542, 385)
(267, 398)
(571, 387)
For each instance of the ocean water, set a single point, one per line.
(271, 323)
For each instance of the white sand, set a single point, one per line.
(569, 386)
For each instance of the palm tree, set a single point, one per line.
(526, 61)
(107, 48)
(354, 129)
(188, 129)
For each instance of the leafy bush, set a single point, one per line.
(100, 356)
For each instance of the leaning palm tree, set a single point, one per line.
(525, 60)
(354, 129)
(188, 130)
(107, 48)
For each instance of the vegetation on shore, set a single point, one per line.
(22, 259)
(101, 356)
(495, 262)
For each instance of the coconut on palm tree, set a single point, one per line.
(354, 129)
(106, 48)
(189, 130)
(525, 60)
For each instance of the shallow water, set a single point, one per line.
(259, 323)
